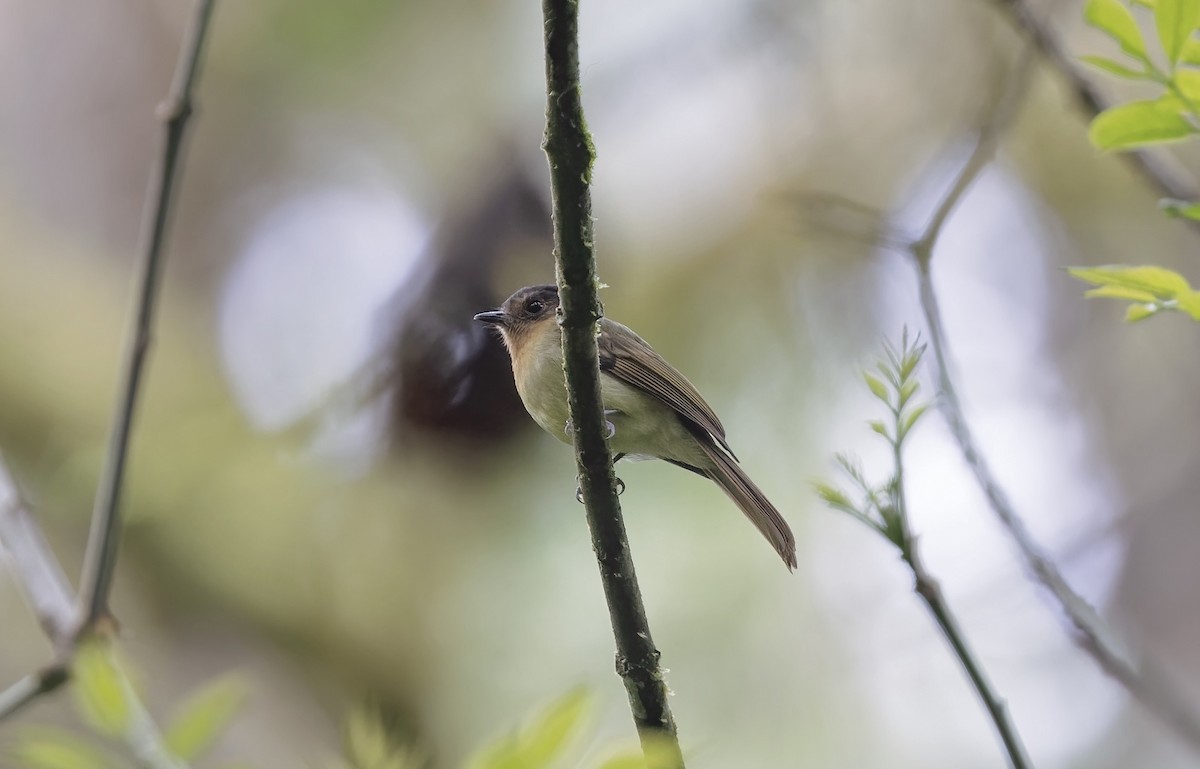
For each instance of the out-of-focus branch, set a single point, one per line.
(570, 153)
(64, 619)
(23, 692)
(100, 559)
(33, 563)
(1091, 633)
(1161, 176)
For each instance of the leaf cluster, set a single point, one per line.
(1174, 114)
(1151, 289)
(881, 506)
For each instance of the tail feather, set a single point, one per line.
(750, 499)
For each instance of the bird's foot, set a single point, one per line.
(579, 490)
(609, 428)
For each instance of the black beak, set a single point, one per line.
(492, 317)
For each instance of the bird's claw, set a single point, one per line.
(609, 428)
(579, 490)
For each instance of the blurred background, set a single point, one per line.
(336, 496)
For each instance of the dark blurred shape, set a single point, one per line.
(452, 375)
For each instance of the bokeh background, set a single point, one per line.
(335, 496)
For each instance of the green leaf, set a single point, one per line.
(908, 389)
(1179, 208)
(1156, 281)
(910, 419)
(1175, 19)
(370, 745)
(1113, 68)
(1190, 54)
(878, 388)
(1188, 83)
(832, 496)
(57, 749)
(632, 759)
(1120, 292)
(99, 689)
(1138, 124)
(1136, 312)
(1144, 3)
(878, 426)
(1115, 20)
(548, 736)
(539, 744)
(204, 716)
(1189, 303)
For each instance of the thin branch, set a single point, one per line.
(14, 699)
(33, 563)
(1008, 106)
(931, 593)
(1161, 176)
(570, 153)
(1147, 684)
(1092, 634)
(100, 560)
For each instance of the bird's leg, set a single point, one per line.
(609, 428)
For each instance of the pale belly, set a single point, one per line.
(644, 426)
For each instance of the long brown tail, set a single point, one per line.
(734, 482)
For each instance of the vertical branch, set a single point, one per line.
(570, 153)
(100, 559)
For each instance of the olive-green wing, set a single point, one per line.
(628, 357)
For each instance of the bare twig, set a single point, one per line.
(1143, 681)
(64, 619)
(569, 151)
(931, 593)
(100, 560)
(23, 692)
(1091, 632)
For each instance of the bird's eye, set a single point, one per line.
(533, 306)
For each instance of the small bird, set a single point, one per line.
(651, 409)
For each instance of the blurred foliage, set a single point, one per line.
(1151, 289)
(104, 698)
(1173, 116)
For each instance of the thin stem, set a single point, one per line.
(931, 594)
(15, 698)
(101, 556)
(987, 141)
(570, 153)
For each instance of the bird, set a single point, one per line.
(650, 409)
